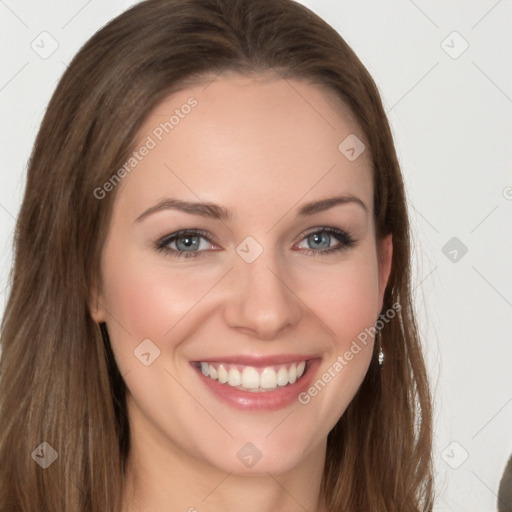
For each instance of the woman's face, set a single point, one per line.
(276, 281)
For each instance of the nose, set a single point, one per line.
(262, 302)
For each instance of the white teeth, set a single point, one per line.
(282, 376)
(250, 378)
(253, 379)
(234, 377)
(268, 378)
(223, 374)
(293, 374)
(300, 369)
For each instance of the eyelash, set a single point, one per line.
(345, 239)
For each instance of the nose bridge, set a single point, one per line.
(261, 299)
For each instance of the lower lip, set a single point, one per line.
(265, 400)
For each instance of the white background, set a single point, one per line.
(452, 122)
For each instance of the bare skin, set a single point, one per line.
(261, 149)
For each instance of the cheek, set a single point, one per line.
(346, 299)
(149, 300)
(345, 296)
(146, 300)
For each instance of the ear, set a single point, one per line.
(96, 306)
(385, 260)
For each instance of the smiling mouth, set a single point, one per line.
(254, 379)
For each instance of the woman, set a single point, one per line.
(210, 301)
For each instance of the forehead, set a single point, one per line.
(255, 142)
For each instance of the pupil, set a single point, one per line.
(318, 239)
(187, 242)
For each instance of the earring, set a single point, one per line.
(380, 357)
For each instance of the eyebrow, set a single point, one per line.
(214, 211)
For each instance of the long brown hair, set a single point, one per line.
(58, 381)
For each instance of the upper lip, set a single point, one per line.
(258, 361)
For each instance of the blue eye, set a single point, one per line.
(319, 241)
(188, 243)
